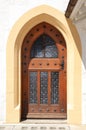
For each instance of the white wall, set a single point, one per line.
(10, 11)
(81, 27)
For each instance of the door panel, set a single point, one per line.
(45, 64)
(44, 73)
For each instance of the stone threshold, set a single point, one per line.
(43, 121)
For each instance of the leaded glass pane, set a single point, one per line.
(33, 87)
(37, 49)
(54, 87)
(43, 47)
(50, 48)
(44, 88)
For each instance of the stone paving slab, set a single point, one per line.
(35, 127)
(41, 127)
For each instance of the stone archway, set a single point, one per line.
(20, 29)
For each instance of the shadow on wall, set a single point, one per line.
(82, 32)
(81, 28)
(76, 37)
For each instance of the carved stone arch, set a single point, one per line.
(15, 39)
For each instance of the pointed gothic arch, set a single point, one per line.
(15, 39)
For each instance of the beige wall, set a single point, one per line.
(15, 39)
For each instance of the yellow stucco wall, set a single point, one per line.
(15, 39)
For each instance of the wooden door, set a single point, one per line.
(44, 73)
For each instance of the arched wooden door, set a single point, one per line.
(43, 73)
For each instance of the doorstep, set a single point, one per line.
(44, 121)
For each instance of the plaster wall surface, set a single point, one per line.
(81, 27)
(10, 11)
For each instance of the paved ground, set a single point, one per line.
(42, 125)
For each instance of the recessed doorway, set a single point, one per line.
(43, 61)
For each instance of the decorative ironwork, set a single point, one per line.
(44, 88)
(44, 47)
(33, 87)
(54, 87)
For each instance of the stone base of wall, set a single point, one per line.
(41, 127)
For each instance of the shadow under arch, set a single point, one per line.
(57, 19)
